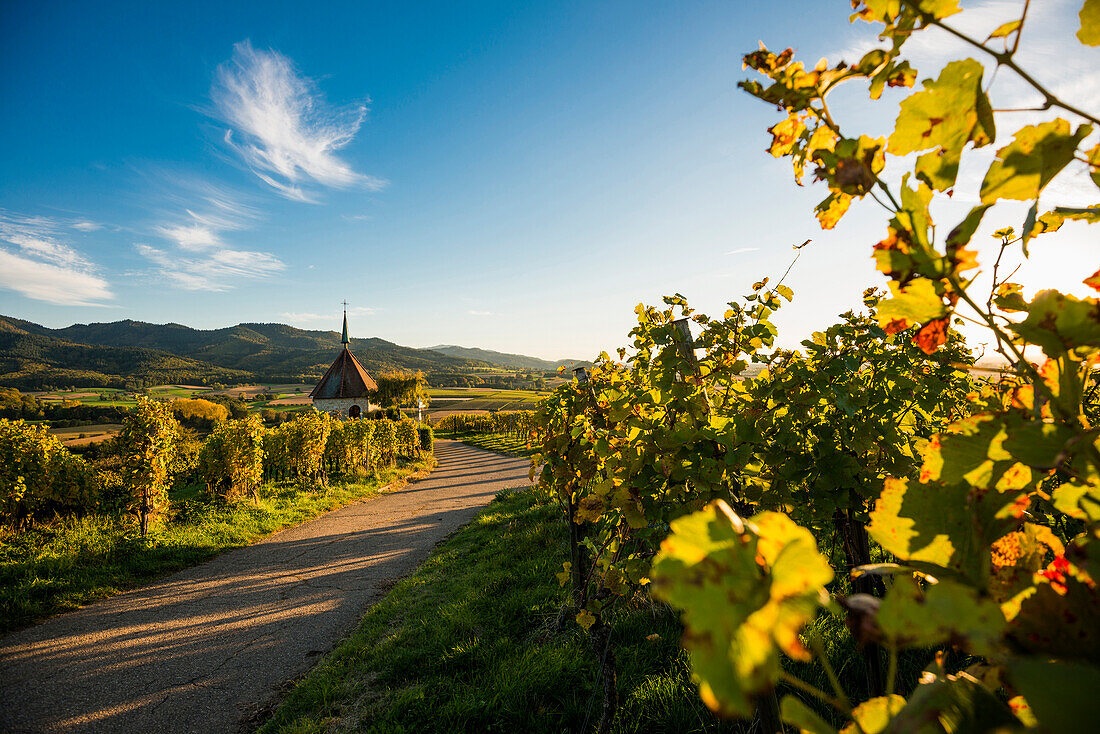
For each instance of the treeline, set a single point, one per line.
(529, 381)
(35, 362)
(41, 479)
(199, 413)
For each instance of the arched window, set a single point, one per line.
(354, 411)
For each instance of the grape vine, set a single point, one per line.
(968, 512)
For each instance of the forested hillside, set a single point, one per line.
(505, 359)
(105, 354)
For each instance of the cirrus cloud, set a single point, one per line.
(282, 127)
(210, 271)
(36, 263)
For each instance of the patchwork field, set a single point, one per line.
(83, 435)
(476, 399)
(287, 397)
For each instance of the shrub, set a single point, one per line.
(147, 444)
(231, 460)
(40, 477)
(405, 438)
(424, 434)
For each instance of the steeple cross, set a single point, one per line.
(344, 338)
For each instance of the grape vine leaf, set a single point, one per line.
(1090, 23)
(832, 208)
(1062, 695)
(1053, 220)
(1057, 323)
(1025, 166)
(1005, 29)
(960, 702)
(798, 714)
(874, 715)
(1058, 595)
(950, 112)
(1009, 297)
(915, 303)
(586, 619)
(746, 590)
(928, 523)
(945, 611)
(1079, 501)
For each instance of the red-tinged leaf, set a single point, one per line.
(896, 325)
(1093, 281)
(932, 335)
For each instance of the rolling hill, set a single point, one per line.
(504, 359)
(107, 353)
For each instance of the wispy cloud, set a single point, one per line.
(472, 312)
(85, 226)
(191, 237)
(740, 250)
(282, 127)
(210, 271)
(196, 220)
(35, 262)
(330, 318)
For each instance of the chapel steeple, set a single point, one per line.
(345, 339)
(346, 388)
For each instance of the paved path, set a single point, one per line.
(205, 649)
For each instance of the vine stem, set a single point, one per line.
(1036, 379)
(1020, 28)
(892, 667)
(814, 691)
(1005, 59)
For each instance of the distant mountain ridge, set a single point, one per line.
(106, 352)
(505, 359)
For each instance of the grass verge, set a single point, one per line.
(64, 565)
(470, 642)
(499, 442)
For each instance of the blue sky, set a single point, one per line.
(515, 176)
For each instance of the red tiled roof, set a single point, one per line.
(346, 378)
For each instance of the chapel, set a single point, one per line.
(346, 388)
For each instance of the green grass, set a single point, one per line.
(61, 566)
(470, 642)
(499, 442)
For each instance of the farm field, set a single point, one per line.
(476, 399)
(289, 396)
(83, 435)
(286, 395)
(500, 442)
